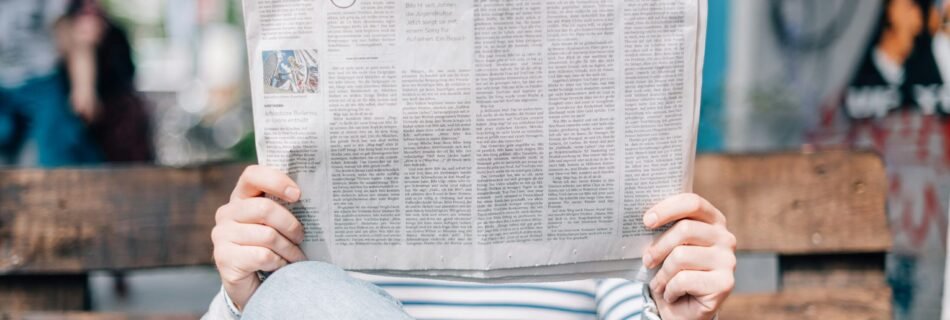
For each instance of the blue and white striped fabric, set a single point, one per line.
(619, 299)
(608, 299)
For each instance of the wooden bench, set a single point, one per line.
(821, 214)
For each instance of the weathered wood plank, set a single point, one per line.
(814, 303)
(833, 271)
(92, 316)
(794, 203)
(43, 292)
(71, 220)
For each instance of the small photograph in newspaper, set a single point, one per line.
(291, 71)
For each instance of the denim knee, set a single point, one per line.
(310, 269)
(320, 290)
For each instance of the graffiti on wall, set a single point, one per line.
(864, 75)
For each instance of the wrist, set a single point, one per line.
(232, 307)
(240, 292)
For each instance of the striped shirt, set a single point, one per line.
(608, 299)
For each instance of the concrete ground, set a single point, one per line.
(175, 290)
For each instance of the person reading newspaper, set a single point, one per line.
(694, 261)
(517, 143)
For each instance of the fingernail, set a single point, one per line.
(649, 219)
(292, 193)
(648, 260)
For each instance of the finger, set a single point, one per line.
(237, 262)
(695, 258)
(263, 236)
(699, 284)
(683, 206)
(263, 211)
(260, 259)
(257, 180)
(683, 232)
(234, 264)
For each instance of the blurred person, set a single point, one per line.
(694, 262)
(901, 22)
(99, 77)
(34, 109)
(895, 104)
(97, 73)
(940, 21)
(898, 62)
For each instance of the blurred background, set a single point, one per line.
(168, 81)
(89, 82)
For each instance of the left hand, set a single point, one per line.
(696, 258)
(85, 104)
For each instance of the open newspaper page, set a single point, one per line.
(508, 140)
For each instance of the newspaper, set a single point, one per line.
(478, 140)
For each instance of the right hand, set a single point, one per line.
(253, 233)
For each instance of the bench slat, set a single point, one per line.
(826, 202)
(43, 292)
(74, 220)
(815, 303)
(92, 316)
(833, 271)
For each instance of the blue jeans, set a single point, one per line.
(39, 111)
(317, 290)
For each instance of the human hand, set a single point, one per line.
(85, 104)
(253, 233)
(696, 258)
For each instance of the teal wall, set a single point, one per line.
(712, 124)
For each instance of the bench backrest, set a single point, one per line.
(822, 213)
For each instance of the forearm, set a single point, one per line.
(81, 63)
